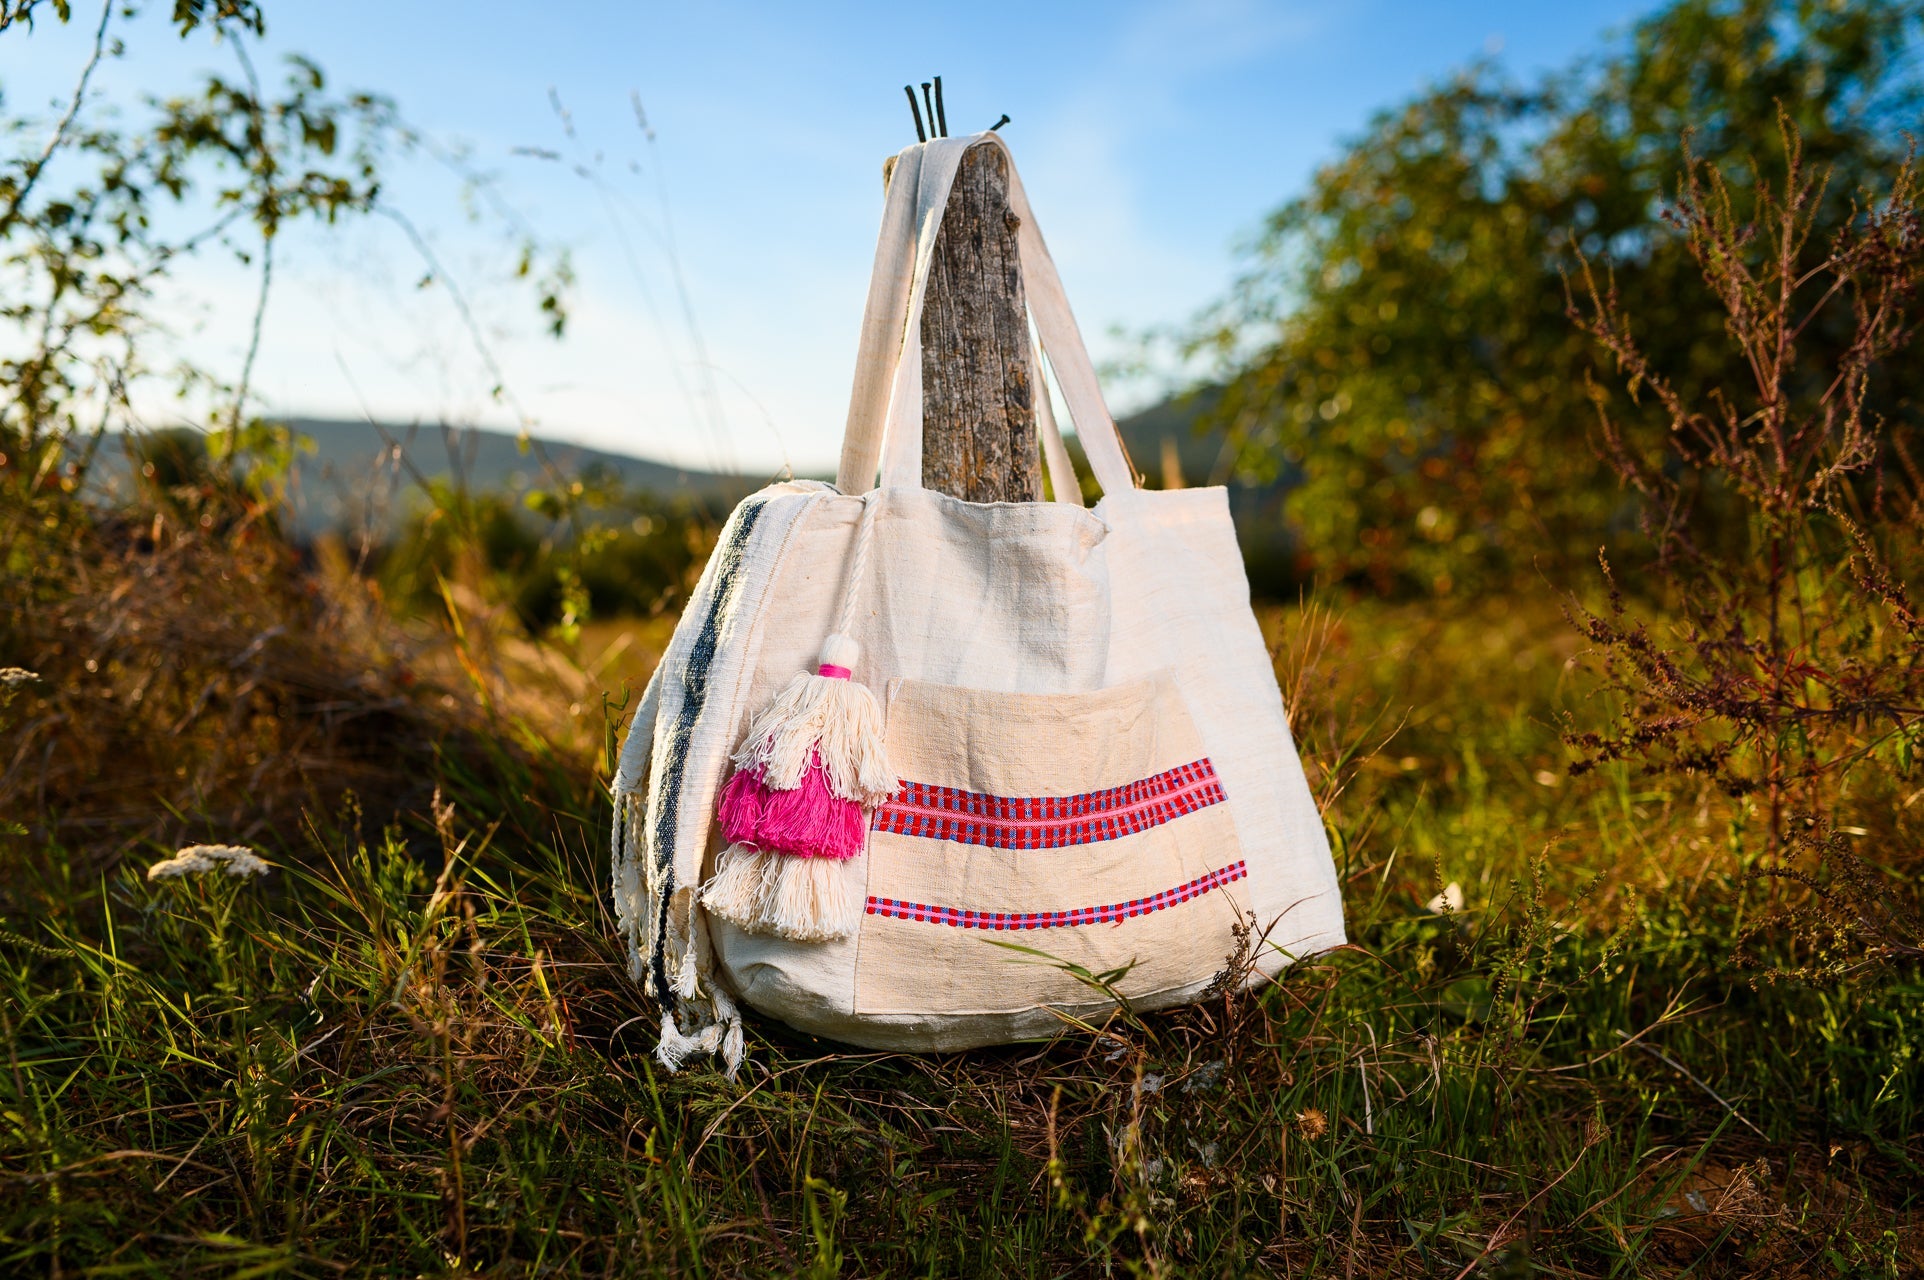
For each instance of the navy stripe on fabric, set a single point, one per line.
(694, 696)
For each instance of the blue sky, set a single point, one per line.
(1152, 137)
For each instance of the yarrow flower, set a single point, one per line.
(235, 859)
(14, 677)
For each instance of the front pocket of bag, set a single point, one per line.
(1088, 827)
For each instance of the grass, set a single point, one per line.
(413, 1050)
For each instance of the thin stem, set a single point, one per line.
(253, 345)
(37, 167)
(269, 224)
(483, 349)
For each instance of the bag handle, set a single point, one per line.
(881, 341)
(912, 220)
(1055, 456)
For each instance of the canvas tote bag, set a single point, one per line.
(1087, 754)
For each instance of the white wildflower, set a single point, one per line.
(188, 862)
(236, 859)
(14, 677)
(1448, 902)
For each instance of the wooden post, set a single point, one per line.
(978, 383)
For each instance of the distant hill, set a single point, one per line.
(353, 460)
(366, 476)
(354, 476)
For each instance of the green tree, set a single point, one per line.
(1400, 344)
(193, 666)
(104, 202)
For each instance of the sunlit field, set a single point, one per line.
(1571, 430)
(415, 1041)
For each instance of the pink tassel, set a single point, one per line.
(808, 821)
(741, 806)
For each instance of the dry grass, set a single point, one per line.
(194, 682)
(199, 678)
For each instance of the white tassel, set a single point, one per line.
(675, 1048)
(686, 976)
(794, 865)
(720, 1024)
(816, 899)
(740, 885)
(807, 899)
(817, 716)
(733, 1043)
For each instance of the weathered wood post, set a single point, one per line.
(978, 380)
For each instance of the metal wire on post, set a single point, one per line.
(932, 114)
(921, 134)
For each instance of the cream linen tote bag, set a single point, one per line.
(1027, 723)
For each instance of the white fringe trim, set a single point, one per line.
(714, 1024)
(628, 842)
(633, 918)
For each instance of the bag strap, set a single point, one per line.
(1055, 322)
(894, 438)
(1062, 472)
(881, 340)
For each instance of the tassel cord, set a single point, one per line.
(858, 566)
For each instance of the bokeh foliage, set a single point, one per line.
(635, 554)
(1399, 340)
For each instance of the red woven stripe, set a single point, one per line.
(1048, 822)
(957, 918)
